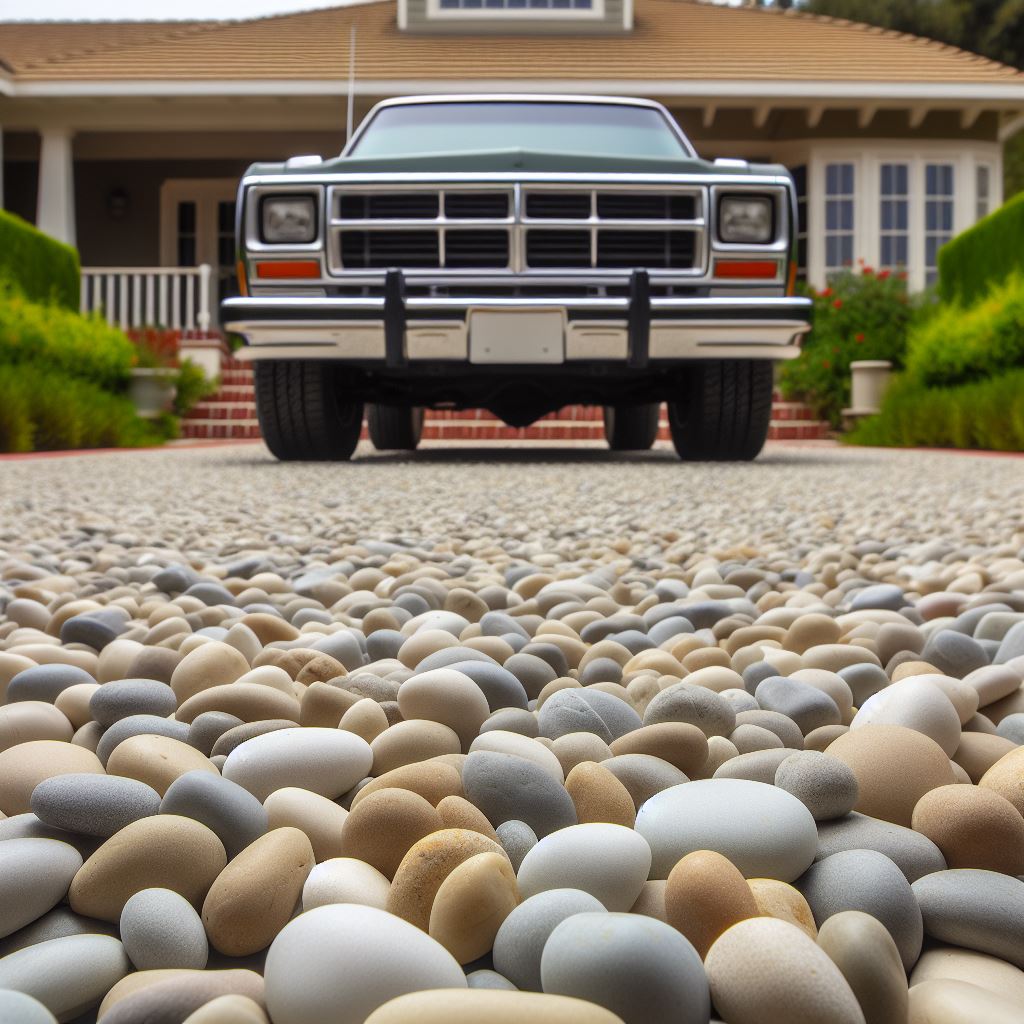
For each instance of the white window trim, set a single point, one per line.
(205, 193)
(594, 13)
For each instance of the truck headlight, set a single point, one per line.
(285, 219)
(746, 219)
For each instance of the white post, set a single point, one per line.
(204, 297)
(55, 213)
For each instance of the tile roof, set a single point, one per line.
(673, 40)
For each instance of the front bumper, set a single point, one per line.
(633, 331)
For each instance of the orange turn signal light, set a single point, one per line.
(761, 270)
(287, 270)
(243, 281)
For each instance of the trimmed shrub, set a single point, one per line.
(988, 414)
(192, 386)
(955, 345)
(38, 266)
(983, 255)
(862, 315)
(58, 339)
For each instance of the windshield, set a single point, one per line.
(591, 129)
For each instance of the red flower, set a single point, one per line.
(826, 293)
(826, 365)
(838, 304)
(884, 275)
(859, 338)
(868, 271)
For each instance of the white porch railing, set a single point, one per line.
(172, 297)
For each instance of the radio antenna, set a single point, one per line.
(351, 83)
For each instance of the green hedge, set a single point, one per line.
(60, 340)
(40, 267)
(984, 255)
(45, 410)
(956, 345)
(988, 414)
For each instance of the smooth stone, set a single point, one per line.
(94, 805)
(914, 704)
(868, 881)
(206, 729)
(165, 852)
(345, 880)
(507, 787)
(458, 812)
(321, 820)
(425, 867)
(705, 894)
(682, 745)
(599, 796)
(24, 766)
(992, 683)
(887, 596)
(695, 705)
(643, 775)
(586, 710)
(501, 742)
(517, 840)
(864, 680)
(757, 766)
(763, 971)
(1012, 728)
(826, 786)
(895, 766)
(498, 685)
(787, 730)
(864, 951)
(782, 901)
(365, 718)
(55, 924)
(433, 780)
(212, 664)
(161, 929)
(231, 1009)
(748, 739)
(1005, 777)
(1011, 646)
(139, 725)
(251, 702)
(532, 672)
(516, 720)
(174, 995)
(496, 1007)
(126, 697)
(944, 1001)
(914, 854)
(577, 747)
(641, 969)
(254, 896)
(324, 761)
(979, 910)
(447, 696)
(956, 964)
(45, 682)
(69, 976)
(18, 1008)
(157, 761)
(610, 862)
(954, 654)
(232, 813)
(411, 741)
(491, 980)
(519, 944)
(764, 831)
(35, 875)
(340, 963)
(979, 751)
(239, 734)
(800, 702)
(32, 720)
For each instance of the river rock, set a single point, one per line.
(228, 1010)
(94, 805)
(968, 965)
(45, 682)
(32, 720)
(757, 766)
(24, 766)
(915, 704)
(708, 711)
(126, 697)
(682, 745)
(231, 812)
(826, 786)
(599, 796)
(381, 828)
(643, 775)
(454, 1006)
(944, 1001)
(804, 704)
(174, 995)
(157, 761)
(35, 875)
(138, 725)
(345, 880)
(18, 1008)
(782, 901)
(914, 854)
(212, 664)
(502, 742)
(161, 929)
(412, 741)
(1005, 777)
(447, 696)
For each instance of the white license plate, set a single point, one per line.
(526, 336)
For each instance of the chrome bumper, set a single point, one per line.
(632, 331)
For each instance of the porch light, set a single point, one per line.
(288, 219)
(745, 219)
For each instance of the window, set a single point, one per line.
(800, 184)
(186, 234)
(514, 7)
(839, 210)
(938, 215)
(894, 213)
(982, 191)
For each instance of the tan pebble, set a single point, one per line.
(866, 954)
(576, 747)
(980, 969)
(25, 765)
(599, 796)
(139, 980)
(433, 780)
(679, 743)
(944, 1001)
(660, 661)
(556, 685)
(156, 760)
(270, 675)
(907, 669)
(493, 646)
(74, 703)
(472, 1006)
(269, 628)
(29, 720)
(1005, 777)
(471, 904)
(651, 901)
(210, 665)
(162, 852)
(426, 865)
(1011, 704)
(706, 894)
(895, 766)
(993, 683)
(457, 812)
(720, 750)
(974, 827)
(250, 702)
(765, 971)
(365, 718)
(382, 826)
(345, 880)
(174, 997)
(323, 704)
(229, 1010)
(978, 751)
(321, 669)
(810, 631)
(88, 736)
(834, 657)
(411, 741)
(424, 643)
(447, 696)
(253, 898)
(377, 619)
(321, 820)
(465, 603)
(10, 666)
(818, 739)
(641, 690)
(703, 657)
(783, 902)
(748, 739)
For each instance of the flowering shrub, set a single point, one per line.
(863, 314)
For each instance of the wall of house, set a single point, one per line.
(418, 17)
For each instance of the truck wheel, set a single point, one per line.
(300, 412)
(631, 428)
(395, 427)
(724, 412)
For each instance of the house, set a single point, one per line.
(128, 139)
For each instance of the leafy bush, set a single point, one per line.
(47, 410)
(58, 339)
(192, 386)
(862, 315)
(955, 345)
(983, 255)
(39, 267)
(988, 414)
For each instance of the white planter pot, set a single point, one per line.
(152, 391)
(869, 379)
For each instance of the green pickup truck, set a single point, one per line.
(518, 254)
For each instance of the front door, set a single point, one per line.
(197, 225)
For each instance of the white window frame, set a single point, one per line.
(206, 193)
(854, 199)
(595, 12)
(908, 198)
(939, 198)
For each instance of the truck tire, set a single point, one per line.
(395, 427)
(724, 412)
(300, 412)
(631, 428)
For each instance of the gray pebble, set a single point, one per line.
(533, 672)
(224, 807)
(126, 697)
(785, 728)
(489, 979)
(756, 766)
(517, 720)
(864, 679)
(643, 775)
(210, 594)
(28, 826)
(501, 688)
(1012, 728)
(93, 805)
(342, 646)
(954, 654)
(886, 596)
(34, 877)
(60, 921)
(1011, 646)
(696, 705)
(826, 786)
(160, 929)
(208, 727)
(175, 579)
(601, 670)
(384, 643)
(806, 705)
(914, 854)
(560, 712)
(139, 725)
(517, 840)
(18, 1008)
(94, 629)
(238, 734)
(45, 682)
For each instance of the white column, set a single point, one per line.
(55, 213)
